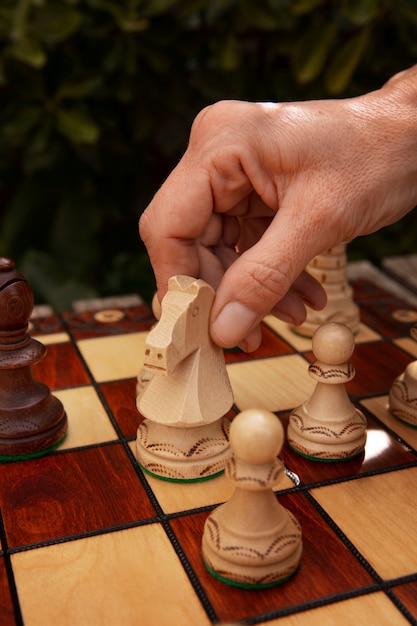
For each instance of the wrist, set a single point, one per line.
(402, 87)
(389, 123)
(396, 111)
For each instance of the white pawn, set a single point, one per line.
(328, 427)
(252, 541)
(403, 393)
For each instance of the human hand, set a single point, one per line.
(263, 188)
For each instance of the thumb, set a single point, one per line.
(267, 277)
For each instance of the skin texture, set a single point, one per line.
(263, 188)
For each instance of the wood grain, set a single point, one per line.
(374, 608)
(376, 515)
(84, 531)
(65, 495)
(128, 578)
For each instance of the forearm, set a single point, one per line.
(390, 129)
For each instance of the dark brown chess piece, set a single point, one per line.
(32, 420)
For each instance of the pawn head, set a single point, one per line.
(333, 343)
(256, 436)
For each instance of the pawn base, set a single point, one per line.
(250, 563)
(34, 445)
(403, 396)
(183, 454)
(241, 585)
(32, 455)
(325, 456)
(322, 441)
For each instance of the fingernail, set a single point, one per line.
(232, 324)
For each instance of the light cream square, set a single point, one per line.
(115, 357)
(88, 422)
(274, 384)
(376, 513)
(129, 577)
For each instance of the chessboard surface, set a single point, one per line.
(87, 539)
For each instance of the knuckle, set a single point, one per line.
(201, 120)
(269, 283)
(219, 115)
(145, 225)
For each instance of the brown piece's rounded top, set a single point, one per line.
(16, 297)
(6, 264)
(333, 343)
(256, 436)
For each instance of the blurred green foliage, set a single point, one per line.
(97, 98)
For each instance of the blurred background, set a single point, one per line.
(97, 98)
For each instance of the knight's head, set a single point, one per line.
(183, 326)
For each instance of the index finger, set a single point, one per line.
(178, 215)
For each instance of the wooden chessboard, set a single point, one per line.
(88, 539)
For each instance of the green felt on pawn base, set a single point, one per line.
(180, 480)
(323, 460)
(32, 455)
(404, 421)
(234, 583)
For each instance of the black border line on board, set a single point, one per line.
(310, 605)
(390, 592)
(192, 576)
(383, 585)
(14, 596)
(162, 518)
(121, 438)
(359, 400)
(93, 381)
(97, 532)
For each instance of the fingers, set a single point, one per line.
(210, 178)
(171, 223)
(252, 341)
(268, 278)
(206, 181)
(310, 291)
(239, 326)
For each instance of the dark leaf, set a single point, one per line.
(77, 126)
(361, 12)
(22, 121)
(49, 284)
(312, 52)
(300, 7)
(129, 21)
(345, 62)
(27, 51)
(54, 22)
(79, 89)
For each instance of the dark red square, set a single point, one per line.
(407, 593)
(7, 617)
(61, 367)
(313, 581)
(381, 451)
(121, 399)
(70, 493)
(271, 345)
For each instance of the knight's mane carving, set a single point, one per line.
(186, 284)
